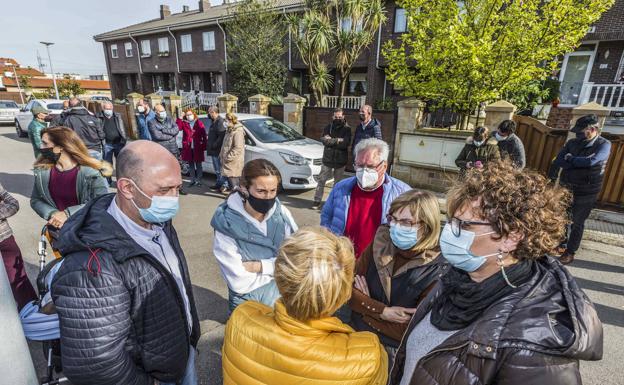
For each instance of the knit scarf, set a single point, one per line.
(463, 300)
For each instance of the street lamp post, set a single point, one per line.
(48, 44)
(19, 88)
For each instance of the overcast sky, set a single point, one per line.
(71, 25)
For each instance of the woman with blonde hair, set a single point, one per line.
(298, 341)
(398, 268)
(232, 154)
(66, 176)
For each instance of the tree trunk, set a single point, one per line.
(343, 84)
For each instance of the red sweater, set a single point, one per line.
(363, 217)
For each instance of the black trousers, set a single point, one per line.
(581, 206)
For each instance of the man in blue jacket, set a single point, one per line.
(368, 127)
(356, 206)
(144, 116)
(582, 162)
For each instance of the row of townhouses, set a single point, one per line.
(187, 51)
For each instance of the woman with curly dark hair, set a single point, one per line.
(505, 312)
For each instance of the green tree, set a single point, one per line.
(312, 34)
(68, 87)
(24, 81)
(256, 35)
(461, 53)
(355, 27)
(343, 27)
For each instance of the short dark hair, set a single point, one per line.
(338, 110)
(507, 127)
(129, 165)
(480, 133)
(257, 168)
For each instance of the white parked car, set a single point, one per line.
(298, 158)
(8, 111)
(25, 116)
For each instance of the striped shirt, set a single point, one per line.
(8, 208)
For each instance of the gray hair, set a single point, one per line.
(373, 143)
(214, 109)
(107, 103)
(367, 108)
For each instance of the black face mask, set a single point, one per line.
(49, 154)
(362, 117)
(338, 122)
(260, 205)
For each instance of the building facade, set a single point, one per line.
(595, 71)
(186, 51)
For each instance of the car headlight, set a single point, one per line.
(297, 160)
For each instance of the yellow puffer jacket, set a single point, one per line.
(266, 346)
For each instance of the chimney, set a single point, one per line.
(185, 8)
(204, 5)
(164, 11)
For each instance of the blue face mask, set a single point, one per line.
(499, 137)
(162, 115)
(478, 143)
(456, 250)
(403, 237)
(162, 209)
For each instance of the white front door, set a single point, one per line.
(575, 71)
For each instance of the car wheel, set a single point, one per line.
(19, 131)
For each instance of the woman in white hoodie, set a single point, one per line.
(249, 229)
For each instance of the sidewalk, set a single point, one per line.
(605, 227)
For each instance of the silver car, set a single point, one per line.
(8, 111)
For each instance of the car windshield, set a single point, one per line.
(271, 131)
(8, 105)
(55, 106)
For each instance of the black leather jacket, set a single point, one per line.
(122, 316)
(535, 335)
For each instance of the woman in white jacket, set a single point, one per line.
(249, 228)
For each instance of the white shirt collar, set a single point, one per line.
(131, 227)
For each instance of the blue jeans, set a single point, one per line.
(95, 154)
(190, 376)
(109, 151)
(266, 294)
(216, 164)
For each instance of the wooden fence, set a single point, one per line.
(543, 143)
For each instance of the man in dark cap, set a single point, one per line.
(36, 126)
(582, 162)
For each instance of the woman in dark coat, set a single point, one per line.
(398, 268)
(505, 312)
(478, 150)
(193, 145)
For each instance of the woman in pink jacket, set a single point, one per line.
(193, 145)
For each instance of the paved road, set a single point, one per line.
(600, 268)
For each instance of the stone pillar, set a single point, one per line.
(175, 104)
(293, 111)
(227, 103)
(590, 108)
(496, 112)
(410, 114)
(133, 99)
(154, 99)
(259, 104)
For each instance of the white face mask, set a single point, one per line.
(190, 118)
(367, 177)
(141, 109)
(162, 115)
(108, 113)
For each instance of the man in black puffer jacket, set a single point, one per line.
(336, 138)
(123, 295)
(87, 126)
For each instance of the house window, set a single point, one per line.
(187, 43)
(357, 84)
(400, 20)
(209, 40)
(163, 45)
(347, 24)
(146, 50)
(619, 77)
(114, 52)
(128, 49)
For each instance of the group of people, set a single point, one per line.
(379, 293)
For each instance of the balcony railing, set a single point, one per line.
(190, 99)
(608, 95)
(352, 102)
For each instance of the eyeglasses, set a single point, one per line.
(402, 222)
(457, 225)
(356, 166)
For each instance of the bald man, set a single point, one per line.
(123, 294)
